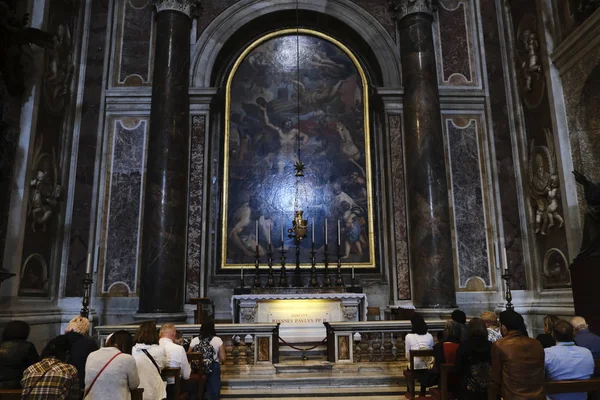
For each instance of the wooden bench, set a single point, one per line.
(15, 394)
(197, 375)
(442, 392)
(410, 372)
(572, 386)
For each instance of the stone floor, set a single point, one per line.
(315, 379)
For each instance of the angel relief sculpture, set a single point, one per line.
(531, 66)
(544, 185)
(45, 191)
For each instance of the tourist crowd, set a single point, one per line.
(71, 366)
(494, 360)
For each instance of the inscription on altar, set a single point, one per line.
(301, 320)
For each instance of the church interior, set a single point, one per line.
(308, 173)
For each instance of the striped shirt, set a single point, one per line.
(51, 379)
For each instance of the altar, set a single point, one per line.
(300, 315)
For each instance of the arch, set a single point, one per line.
(222, 28)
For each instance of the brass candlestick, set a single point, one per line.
(87, 294)
(326, 279)
(507, 277)
(283, 282)
(256, 282)
(270, 278)
(339, 281)
(313, 268)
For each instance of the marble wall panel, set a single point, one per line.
(505, 166)
(380, 9)
(467, 188)
(399, 202)
(123, 215)
(211, 10)
(134, 45)
(196, 198)
(86, 157)
(455, 50)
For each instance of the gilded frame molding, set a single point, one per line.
(367, 136)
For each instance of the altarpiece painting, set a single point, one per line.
(297, 94)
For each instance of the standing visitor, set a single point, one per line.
(208, 337)
(52, 378)
(546, 338)
(473, 361)
(150, 359)
(82, 345)
(517, 362)
(111, 372)
(16, 354)
(567, 361)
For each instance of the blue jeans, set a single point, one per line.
(213, 383)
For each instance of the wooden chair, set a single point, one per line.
(410, 373)
(137, 394)
(176, 374)
(197, 375)
(442, 392)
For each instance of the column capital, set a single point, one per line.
(402, 8)
(191, 8)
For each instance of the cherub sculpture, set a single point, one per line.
(531, 66)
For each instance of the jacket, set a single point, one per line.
(81, 347)
(517, 368)
(15, 357)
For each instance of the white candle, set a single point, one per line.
(325, 230)
(242, 276)
(353, 272)
(282, 240)
(313, 230)
(338, 243)
(505, 261)
(256, 241)
(269, 233)
(88, 268)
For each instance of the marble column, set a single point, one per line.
(166, 189)
(430, 243)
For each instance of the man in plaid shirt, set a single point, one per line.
(52, 378)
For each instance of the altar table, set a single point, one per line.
(301, 315)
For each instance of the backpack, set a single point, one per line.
(208, 355)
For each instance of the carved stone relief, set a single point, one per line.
(247, 315)
(191, 8)
(531, 78)
(58, 69)
(402, 8)
(350, 313)
(556, 268)
(45, 190)
(544, 185)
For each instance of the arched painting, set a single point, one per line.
(297, 94)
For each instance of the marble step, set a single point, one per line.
(303, 366)
(396, 392)
(311, 380)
